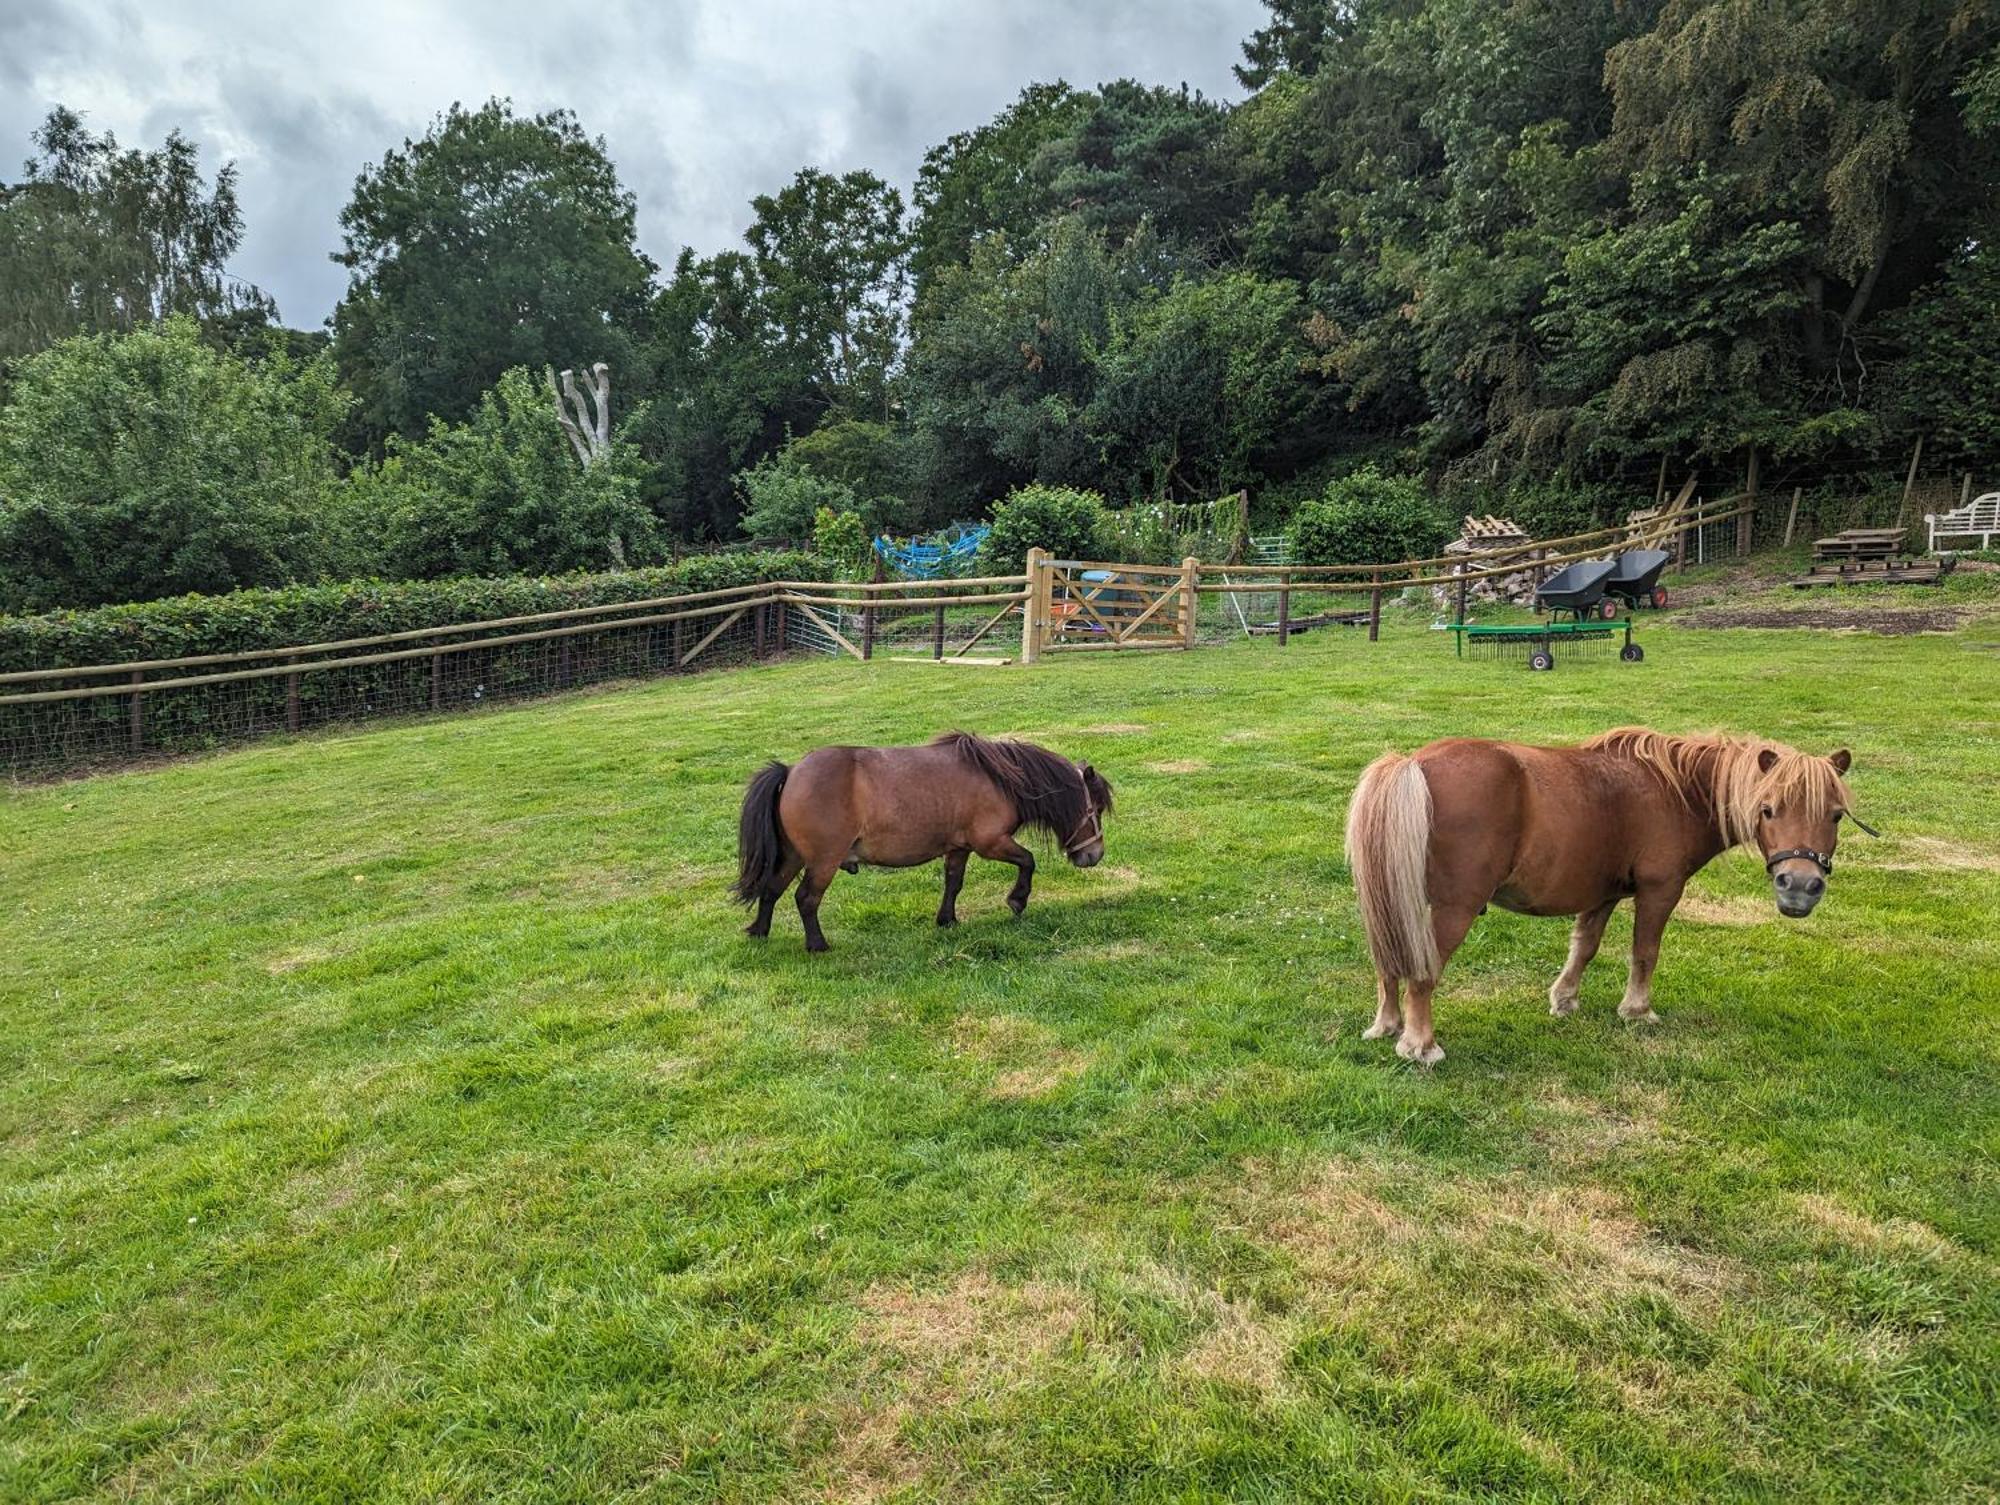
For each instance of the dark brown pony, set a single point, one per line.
(902, 806)
(1433, 838)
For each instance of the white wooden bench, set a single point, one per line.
(1978, 518)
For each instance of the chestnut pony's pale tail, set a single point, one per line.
(1388, 843)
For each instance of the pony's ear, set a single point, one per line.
(1841, 760)
(1767, 760)
(1087, 771)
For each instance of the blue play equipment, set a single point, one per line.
(939, 556)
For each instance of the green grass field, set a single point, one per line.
(400, 1115)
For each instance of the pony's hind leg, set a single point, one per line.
(767, 901)
(1388, 1015)
(1583, 943)
(1417, 1042)
(812, 887)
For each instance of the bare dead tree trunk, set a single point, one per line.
(586, 422)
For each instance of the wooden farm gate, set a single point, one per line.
(1081, 605)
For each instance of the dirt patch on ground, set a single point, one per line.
(1885, 621)
(1917, 854)
(1178, 765)
(1030, 1063)
(1240, 1348)
(1737, 909)
(1896, 1236)
(974, 1329)
(1116, 729)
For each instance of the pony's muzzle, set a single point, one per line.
(1088, 856)
(1798, 886)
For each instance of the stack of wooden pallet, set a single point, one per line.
(1869, 556)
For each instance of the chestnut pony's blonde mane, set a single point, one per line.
(1726, 770)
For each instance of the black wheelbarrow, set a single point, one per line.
(1577, 590)
(1636, 580)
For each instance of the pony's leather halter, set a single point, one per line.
(1822, 860)
(1092, 820)
(1080, 836)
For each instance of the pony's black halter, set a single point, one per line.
(1822, 860)
(1080, 836)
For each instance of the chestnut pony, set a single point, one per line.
(902, 806)
(1434, 837)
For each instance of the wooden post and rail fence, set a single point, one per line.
(1062, 606)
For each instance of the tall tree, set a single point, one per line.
(832, 263)
(95, 238)
(493, 242)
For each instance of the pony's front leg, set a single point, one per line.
(1583, 943)
(1652, 908)
(1417, 1042)
(1006, 849)
(954, 878)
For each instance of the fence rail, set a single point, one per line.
(69, 716)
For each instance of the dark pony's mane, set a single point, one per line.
(1046, 788)
(1727, 771)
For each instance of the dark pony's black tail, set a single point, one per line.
(760, 844)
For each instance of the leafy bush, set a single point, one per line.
(133, 466)
(783, 495)
(1370, 518)
(502, 492)
(839, 538)
(1060, 519)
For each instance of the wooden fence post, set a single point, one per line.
(1459, 610)
(1910, 480)
(937, 634)
(869, 600)
(292, 697)
(138, 715)
(1031, 607)
(679, 644)
(1749, 516)
(1792, 516)
(1375, 604)
(437, 680)
(1190, 599)
(757, 626)
(1284, 607)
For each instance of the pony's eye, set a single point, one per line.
(1767, 812)
(1837, 815)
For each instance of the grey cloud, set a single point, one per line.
(702, 103)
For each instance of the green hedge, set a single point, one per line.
(67, 732)
(246, 620)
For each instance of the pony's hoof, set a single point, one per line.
(946, 921)
(850, 866)
(1644, 1016)
(755, 934)
(817, 946)
(1381, 1031)
(1562, 1007)
(1422, 1055)
(1019, 906)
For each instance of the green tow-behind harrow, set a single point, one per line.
(1542, 641)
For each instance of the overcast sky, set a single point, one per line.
(702, 102)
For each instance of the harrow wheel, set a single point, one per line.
(1541, 659)
(1631, 653)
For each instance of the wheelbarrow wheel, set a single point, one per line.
(1541, 659)
(1631, 653)
(1607, 609)
(1659, 598)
